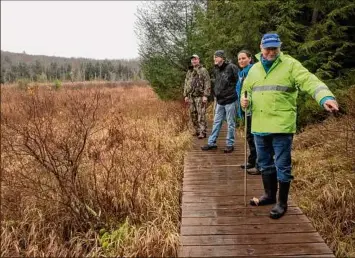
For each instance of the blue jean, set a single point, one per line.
(274, 155)
(224, 111)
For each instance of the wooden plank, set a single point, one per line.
(221, 143)
(216, 156)
(235, 182)
(227, 176)
(216, 177)
(215, 222)
(250, 193)
(246, 229)
(214, 164)
(270, 238)
(310, 255)
(203, 154)
(220, 187)
(256, 250)
(228, 169)
(220, 168)
(212, 158)
(186, 221)
(217, 206)
(249, 212)
(218, 199)
(238, 182)
(217, 181)
(216, 187)
(213, 199)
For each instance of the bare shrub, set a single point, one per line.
(77, 163)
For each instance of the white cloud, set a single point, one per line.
(92, 29)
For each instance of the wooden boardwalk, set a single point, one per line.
(215, 221)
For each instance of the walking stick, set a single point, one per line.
(245, 156)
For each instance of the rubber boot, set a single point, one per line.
(270, 188)
(281, 207)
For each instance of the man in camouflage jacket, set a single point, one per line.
(197, 89)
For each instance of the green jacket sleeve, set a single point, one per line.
(207, 83)
(309, 83)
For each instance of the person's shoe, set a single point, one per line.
(281, 207)
(228, 149)
(254, 172)
(249, 166)
(201, 135)
(270, 188)
(208, 147)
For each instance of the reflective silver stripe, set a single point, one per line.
(274, 87)
(319, 89)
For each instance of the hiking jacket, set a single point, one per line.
(273, 95)
(197, 83)
(225, 78)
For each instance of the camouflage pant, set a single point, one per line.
(198, 114)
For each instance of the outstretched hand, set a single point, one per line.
(331, 106)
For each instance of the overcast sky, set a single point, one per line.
(91, 29)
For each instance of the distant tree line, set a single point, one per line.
(16, 66)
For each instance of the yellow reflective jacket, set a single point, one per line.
(273, 95)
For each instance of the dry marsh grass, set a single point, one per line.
(90, 172)
(324, 185)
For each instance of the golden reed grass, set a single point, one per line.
(90, 171)
(324, 185)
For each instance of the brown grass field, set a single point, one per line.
(96, 170)
(324, 185)
(90, 171)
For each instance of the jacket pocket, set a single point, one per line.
(284, 102)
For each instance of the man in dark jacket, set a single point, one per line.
(226, 75)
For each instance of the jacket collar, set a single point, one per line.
(224, 64)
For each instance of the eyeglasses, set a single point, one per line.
(271, 48)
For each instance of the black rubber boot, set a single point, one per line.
(270, 187)
(248, 165)
(281, 207)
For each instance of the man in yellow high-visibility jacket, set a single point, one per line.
(272, 86)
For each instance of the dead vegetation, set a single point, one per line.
(92, 172)
(324, 185)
